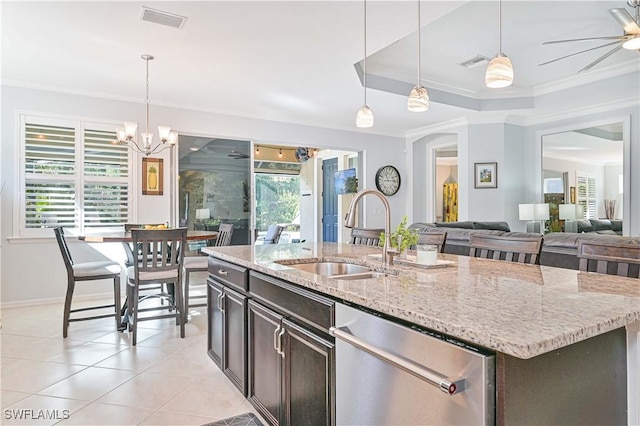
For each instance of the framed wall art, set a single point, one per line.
(486, 175)
(152, 172)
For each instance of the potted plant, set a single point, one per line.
(402, 238)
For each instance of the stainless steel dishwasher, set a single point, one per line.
(391, 374)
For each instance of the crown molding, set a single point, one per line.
(442, 127)
(591, 77)
(580, 160)
(604, 107)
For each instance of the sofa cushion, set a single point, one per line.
(616, 225)
(463, 225)
(497, 226)
(601, 224)
(584, 226)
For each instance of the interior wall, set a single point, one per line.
(612, 187)
(23, 260)
(307, 205)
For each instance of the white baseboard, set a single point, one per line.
(59, 300)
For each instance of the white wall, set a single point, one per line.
(33, 270)
(612, 188)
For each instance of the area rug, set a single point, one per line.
(246, 419)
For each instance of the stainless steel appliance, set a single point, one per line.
(391, 374)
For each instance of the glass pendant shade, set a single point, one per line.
(173, 137)
(418, 99)
(632, 43)
(364, 117)
(499, 72)
(130, 129)
(163, 133)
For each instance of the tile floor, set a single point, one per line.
(99, 378)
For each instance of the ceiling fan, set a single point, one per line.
(630, 40)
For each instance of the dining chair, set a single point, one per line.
(511, 249)
(433, 238)
(613, 258)
(273, 234)
(87, 271)
(160, 262)
(200, 264)
(366, 237)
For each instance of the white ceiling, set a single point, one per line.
(602, 145)
(295, 61)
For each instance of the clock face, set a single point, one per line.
(388, 180)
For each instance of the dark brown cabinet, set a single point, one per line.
(227, 327)
(291, 359)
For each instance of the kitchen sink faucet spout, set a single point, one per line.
(350, 220)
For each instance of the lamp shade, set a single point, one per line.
(203, 213)
(567, 211)
(526, 211)
(418, 99)
(499, 72)
(364, 117)
(541, 211)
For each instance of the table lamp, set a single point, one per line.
(569, 213)
(534, 214)
(203, 214)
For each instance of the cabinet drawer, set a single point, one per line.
(293, 301)
(229, 274)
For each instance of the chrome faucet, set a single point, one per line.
(350, 220)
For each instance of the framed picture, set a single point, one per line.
(572, 194)
(486, 175)
(152, 172)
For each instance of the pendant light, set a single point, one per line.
(418, 98)
(365, 115)
(500, 71)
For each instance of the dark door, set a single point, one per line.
(265, 363)
(308, 377)
(214, 332)
(329, 201)
(235, 338)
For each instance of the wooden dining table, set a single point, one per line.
(125, 238)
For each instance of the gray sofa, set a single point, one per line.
(599, 226)
(559, 249)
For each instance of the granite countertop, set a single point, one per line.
(520, 310)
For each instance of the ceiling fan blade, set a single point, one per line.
(577, 53)
(588, 38)
(601, 58)
(628, 23)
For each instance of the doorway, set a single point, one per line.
(329, 201)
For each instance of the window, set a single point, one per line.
(74, 176)
(586, 194)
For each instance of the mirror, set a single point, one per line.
(584, 167)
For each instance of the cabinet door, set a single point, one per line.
(234, 360)
(214, 332)
(309, 377)
(265, 363)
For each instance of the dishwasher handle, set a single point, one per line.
(449, 386)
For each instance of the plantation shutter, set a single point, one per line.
(586, 194)
(106, 186)
(49, 163)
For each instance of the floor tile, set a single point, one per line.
(33, 376)
(87, 354)
(136, 358)
(170, 339)
(106, 414)
(125, 337)
(10, 397)
(88, 384)
(41, 410)
(147, 390)
(30, 326)
(216, 398)
(38, 348)
(190, 362)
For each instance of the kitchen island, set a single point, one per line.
(527, 314)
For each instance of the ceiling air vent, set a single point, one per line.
(162, 18)
(474, 61)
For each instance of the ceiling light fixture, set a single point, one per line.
(365, 115)
(418, 98)
(257, 149)
(500, 71)
(127, 135)
(280, 153)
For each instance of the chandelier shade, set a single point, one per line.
(364, 117)
(127, 135)
(500, 70)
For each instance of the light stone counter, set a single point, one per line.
(519, 310)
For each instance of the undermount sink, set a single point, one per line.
(338, 270)
(329, 269)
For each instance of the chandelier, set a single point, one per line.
(126, 135)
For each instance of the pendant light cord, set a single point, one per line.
(500, 27)
(419, 45)
(147, 100)
(365, 52)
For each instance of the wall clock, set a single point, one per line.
(388, 180)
